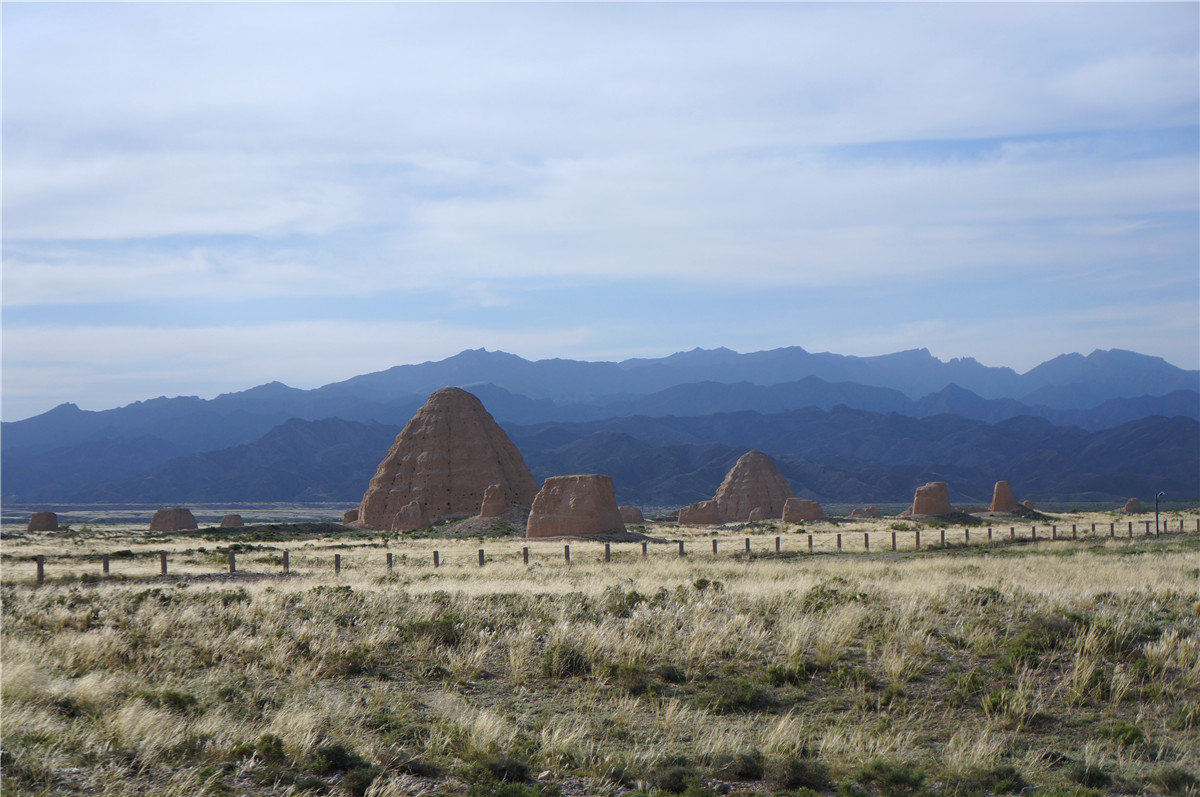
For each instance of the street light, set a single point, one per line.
(1160, 495)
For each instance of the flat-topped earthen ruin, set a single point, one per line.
(799, 510)
(575, 506)
(173, 519)
(43, 521)
(932, 499)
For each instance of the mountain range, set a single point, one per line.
(1098, 427)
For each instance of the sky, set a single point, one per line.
(200, 198)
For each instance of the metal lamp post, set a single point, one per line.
(1160, 495)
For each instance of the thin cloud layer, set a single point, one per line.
(493, 174)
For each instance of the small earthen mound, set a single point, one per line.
(349, 516)
(232, 522)
(932, 499)
(411, 516)
(871, 511)
(1132, 507)
(43, 521)
(495, 503)
(1027, 503)
(756, 515)
(575, 506)
(631, 515)
(173, 519)
(701, 513)
(798, 510)
(1002, 498)
(753, 482)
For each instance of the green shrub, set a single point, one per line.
(330, 758)
(850, 677)
(792, 675)
(738, 766)
(675, 778)
(669, 673)
(1002, 779)
(1121, 732)
(798, 772)
(1174, 780)
(890, 778)
(503, 768)
(357, 781)
(734, 695)
(564, 661)
(1090, 775)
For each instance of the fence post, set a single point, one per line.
(866, 541)
(989, 533)
(287, 568)
(893, 540)
(481, 557)
(1147, 522)
(162, 562)
(607, 552)
(1131, 529)
(839, 538)
(232, 562)
(337, 564)
(747, 545)
(1054, 532)
(966, 536)
(943, 536)
(1074, 535)
(525, 554)
(41, 568)
(645, 551)
(714, 547)
(567, 554)
(1012, 532)
(810, 543)
(1112, 529)
(389, 561)
(437, 562)
(1033, 533)
(776, 545)
(104, 563)
(681, 547)
(918, 533)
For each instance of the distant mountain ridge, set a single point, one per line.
(840, 455)
(48, 454)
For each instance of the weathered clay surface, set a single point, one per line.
(349, 516)
(932, 499)
(871, 511)
(756, 515)
(797, 510)
(43, 521)
(232, 521)
(412, 515)
(753, 482)
(1132, 507)
(1002, 498)
(631, 515)
(173, 519)
(575, 506)
(445, 458)
(495, 502)
(701, 513)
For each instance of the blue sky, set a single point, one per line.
(202, 198)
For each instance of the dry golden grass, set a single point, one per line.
(1057, 659)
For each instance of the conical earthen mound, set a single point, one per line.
(753, 483)
(442, 462)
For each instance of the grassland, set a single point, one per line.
(1062, 667)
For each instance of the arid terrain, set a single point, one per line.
(1062, 666)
